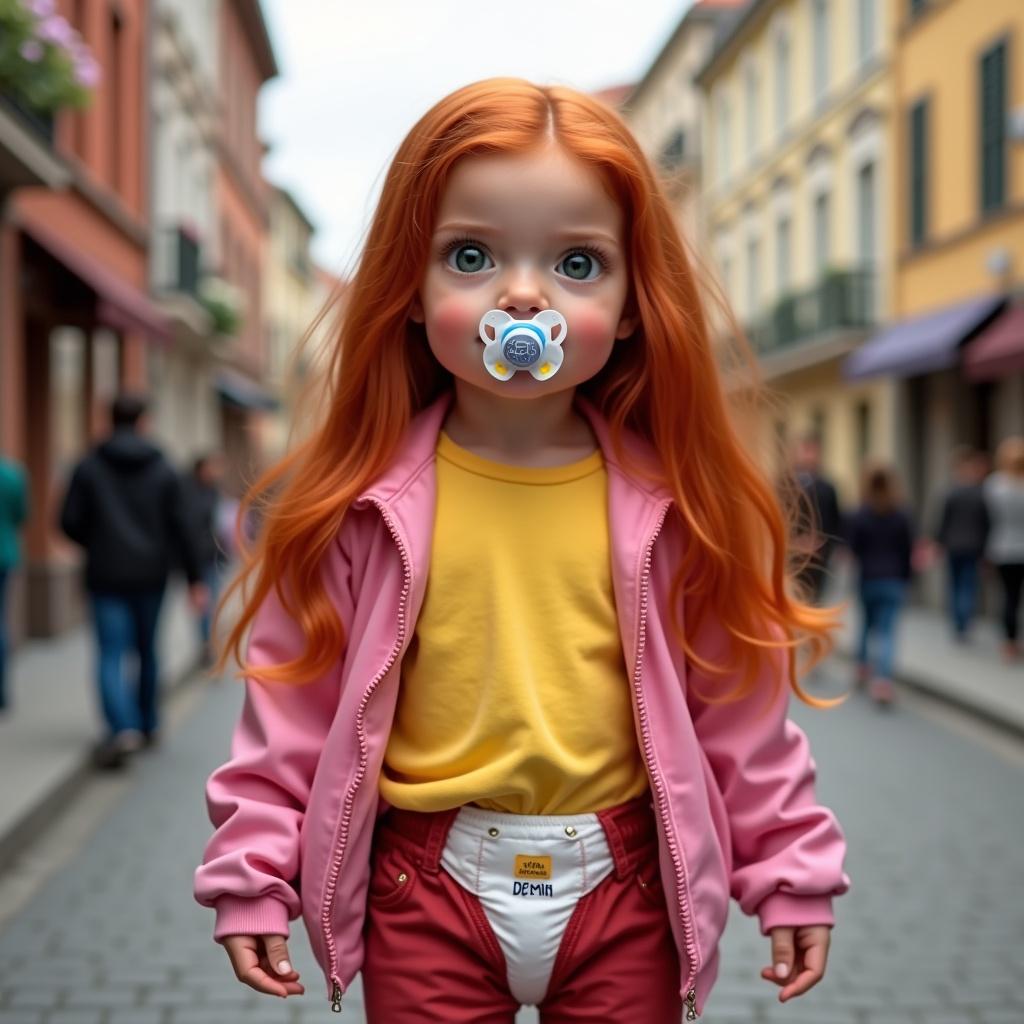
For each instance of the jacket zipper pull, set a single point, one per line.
(691, 1004)
(336, 999)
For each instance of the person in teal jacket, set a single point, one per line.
(13, 512)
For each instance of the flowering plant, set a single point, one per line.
(224, 304)
(44, 64)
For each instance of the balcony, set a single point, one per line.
(177, 259)
(817, 323)
(26, 148)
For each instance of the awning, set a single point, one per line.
(999, 350)
(245, 394)
(118, 304)
(924, 344)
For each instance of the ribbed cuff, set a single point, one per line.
(786, 910)
(263, 915)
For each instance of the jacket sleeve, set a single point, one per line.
(257, 800)
(788, 850)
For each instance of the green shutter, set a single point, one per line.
(992, 128)
(918, 173)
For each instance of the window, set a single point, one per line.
(782, 73)
(992, 125)
(819, 426)
(822, 233)
(821, 48)
(916, 7)
(752, 87)
(865, 30)
(782, 254)
(918, 173)
(866, 215)
(753, 278)
(115, 90)
(724, 146)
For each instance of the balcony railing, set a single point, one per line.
(841, 300)
(41, 124)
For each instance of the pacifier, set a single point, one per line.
(522, 344)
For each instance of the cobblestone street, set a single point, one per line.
(932, 932)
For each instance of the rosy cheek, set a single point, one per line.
(589, 327)
(454, 319)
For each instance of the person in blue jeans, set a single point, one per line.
(962, 532)
(13, 513)
(124, 506)
(881, 538)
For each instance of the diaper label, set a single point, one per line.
(533, 889)
(532, 865)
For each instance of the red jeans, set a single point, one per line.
(432, 956)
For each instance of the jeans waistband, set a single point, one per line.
(630, 829)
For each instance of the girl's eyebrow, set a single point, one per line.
(567, 234)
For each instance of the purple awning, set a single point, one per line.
(924, 344)
(999, 350)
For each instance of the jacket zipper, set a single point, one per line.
(341, 837)
(681, 894)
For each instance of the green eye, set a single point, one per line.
(468, 259)
(580, 266)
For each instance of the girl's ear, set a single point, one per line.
(627, 325)
(416, 311)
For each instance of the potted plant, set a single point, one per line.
(44, 64)
(224, 304)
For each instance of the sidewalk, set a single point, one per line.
(47, 737)
(972, 676)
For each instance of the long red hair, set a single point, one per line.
(664, 384)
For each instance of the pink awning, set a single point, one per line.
(119, 304)
(999, 350)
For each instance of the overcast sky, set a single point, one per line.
(355, 77)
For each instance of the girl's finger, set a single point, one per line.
(805, 980)
(256, 977)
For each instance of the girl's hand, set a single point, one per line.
(262, 963)
(802, 953)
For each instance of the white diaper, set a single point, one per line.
(529, 872)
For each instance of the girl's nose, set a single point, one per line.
(523, 295)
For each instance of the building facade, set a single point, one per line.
(798, 196)
(292, 292)
(77, 319)
(184, 134)
(955, 347)
(664, 109)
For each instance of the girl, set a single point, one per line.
(516, 683)
(881, 538)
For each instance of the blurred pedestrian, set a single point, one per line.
(13, 513)
(124, 506)
(203, 499)
(881, 539)
(962, 532)
(819, 528)
(1004, 497)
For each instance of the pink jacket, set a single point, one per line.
(733, 784)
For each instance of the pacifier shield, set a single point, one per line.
(522, 344)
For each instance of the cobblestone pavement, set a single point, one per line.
(932, 933)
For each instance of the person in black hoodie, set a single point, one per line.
(124, 506)
(881, 538)
(819, 526)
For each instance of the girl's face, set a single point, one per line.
(524, 233)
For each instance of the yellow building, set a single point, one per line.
(797, 175)
(957, 342)
(293, 297)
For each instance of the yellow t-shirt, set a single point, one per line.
(514, 691)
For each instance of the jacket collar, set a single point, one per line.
(420, 443)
